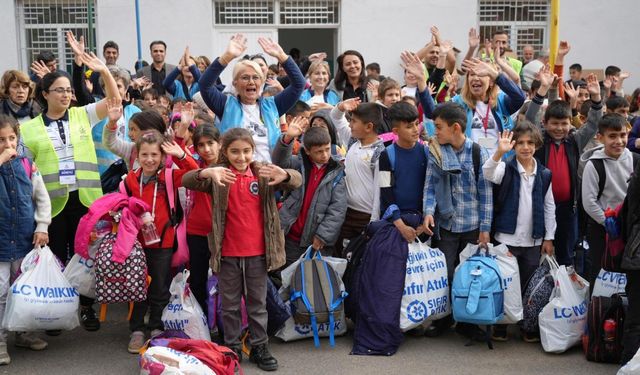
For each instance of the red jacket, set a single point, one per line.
(163, 225)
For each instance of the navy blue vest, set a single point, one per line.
(508, 196)
(16, 211)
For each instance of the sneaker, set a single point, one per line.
(4, 355)
(136, 342)
(499, 333)
(531, 337)
(89, 319)
(29, 340)
(156, 332)
(53, 332)
(261, 356)
(238, 351)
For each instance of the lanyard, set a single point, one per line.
(155, 194)
(485, 119)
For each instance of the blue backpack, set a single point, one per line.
(477, 292)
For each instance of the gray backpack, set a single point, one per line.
(316, 297)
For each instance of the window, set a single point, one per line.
(277, 12)
(526, 21)
(43, 24)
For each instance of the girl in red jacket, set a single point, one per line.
(148, 183)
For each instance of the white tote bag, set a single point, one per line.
(563, 319)
(609, 283)
(183, 313)
(426, 288)
(81, 273)
(41, 298)
(510, 272)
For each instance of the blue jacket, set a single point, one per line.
(229, 107)
(330, 96)
(508, 196)
(510, 99)
(106, 157)
(177, 88)
(17, 210)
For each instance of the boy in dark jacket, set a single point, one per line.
(312, 214)
(561, 154)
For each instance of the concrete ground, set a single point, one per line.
(104, 352)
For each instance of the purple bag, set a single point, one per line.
(214, 307)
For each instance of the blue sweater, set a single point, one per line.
(177, 88)
(16, 210)
(406, 177)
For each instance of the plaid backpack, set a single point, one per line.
(120, 282)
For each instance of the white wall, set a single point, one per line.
(602, 34)
(175, 23)
(366, 27)
(9, 58)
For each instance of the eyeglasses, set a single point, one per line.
(62, 90)
(246, 79)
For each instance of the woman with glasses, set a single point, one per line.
(60, 143)
(247, 109)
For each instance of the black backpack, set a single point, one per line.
(354, 252)
(596, 348)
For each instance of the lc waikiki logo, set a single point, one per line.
(570, 312)
(44, 292)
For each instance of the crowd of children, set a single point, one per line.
(276, 162)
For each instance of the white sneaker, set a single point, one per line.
(4, 355)
(136, 342)
(29, 340)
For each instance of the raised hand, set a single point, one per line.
(412, 64)
(505, 144)
(593, 87)
(39, 68)
(563, 48)
(435, 35)
(546, 76)
(220, 175)
(373, 88)
(93, 62)
(318, 56)
(114, 110)
(474, 39)
(295, 128)
(187, 113)
(237, 46)
(432, 88)
(274, 173)
(572, 93)
(272, 82)
(349, 105)
(173, 149)
(77, 45)
(480, 68)
(445, 47)
(272, 48)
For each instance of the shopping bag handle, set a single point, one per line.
(483, 246)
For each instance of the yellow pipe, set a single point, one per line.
(554, 31)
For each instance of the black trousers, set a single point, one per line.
(159, 268)
(62, 233)
(199, 255)
(596, 236)
(631, 338)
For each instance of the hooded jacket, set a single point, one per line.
(329, 204)
(337, 149)
(617, 173)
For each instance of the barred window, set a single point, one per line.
(276, 12)
(526, 21)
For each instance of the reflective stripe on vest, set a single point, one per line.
(87, 177)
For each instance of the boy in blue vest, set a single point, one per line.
(402, 170)
(524, 209)
(464, 206)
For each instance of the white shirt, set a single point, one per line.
(494, 172)
(359, 177)
(317, 99)
(252, 121)
(477, 127)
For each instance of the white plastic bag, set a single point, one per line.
(183, 313)
(632, 367)
(609, 283)
(426, 288)
(510, 272)
(41, 298)
(159, 360)
(291, 330)
(563, 319)
(81, 273)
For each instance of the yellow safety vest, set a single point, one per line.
(35, 137)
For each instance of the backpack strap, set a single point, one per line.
(336, 180)
(27, 167)
(391, 153)
(475, 157)
(598, 164)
